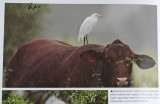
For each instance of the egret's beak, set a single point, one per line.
(99, 15)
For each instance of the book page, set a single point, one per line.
(79, 52)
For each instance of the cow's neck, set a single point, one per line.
(97, 77)
(97, 74)
(107, 75)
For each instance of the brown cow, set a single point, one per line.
(47, 63)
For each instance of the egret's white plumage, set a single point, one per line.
(87, 26)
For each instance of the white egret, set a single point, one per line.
(87, 26)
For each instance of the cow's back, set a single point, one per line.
(35, 62)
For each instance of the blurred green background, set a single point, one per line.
(135, 25)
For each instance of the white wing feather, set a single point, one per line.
(86, 27)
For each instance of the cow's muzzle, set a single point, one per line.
(122, 81)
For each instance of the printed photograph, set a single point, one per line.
(80, 45)
(55, 97)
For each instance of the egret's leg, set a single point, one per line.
(86, 39)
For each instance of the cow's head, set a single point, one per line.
(117, 63)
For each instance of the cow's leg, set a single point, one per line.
(86, 39)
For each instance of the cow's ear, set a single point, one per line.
(91, 56)
(144, 61)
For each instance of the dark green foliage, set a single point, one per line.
(83, 96)
(21, 25)
(5, 95)
(16, 99)
(68, 96)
